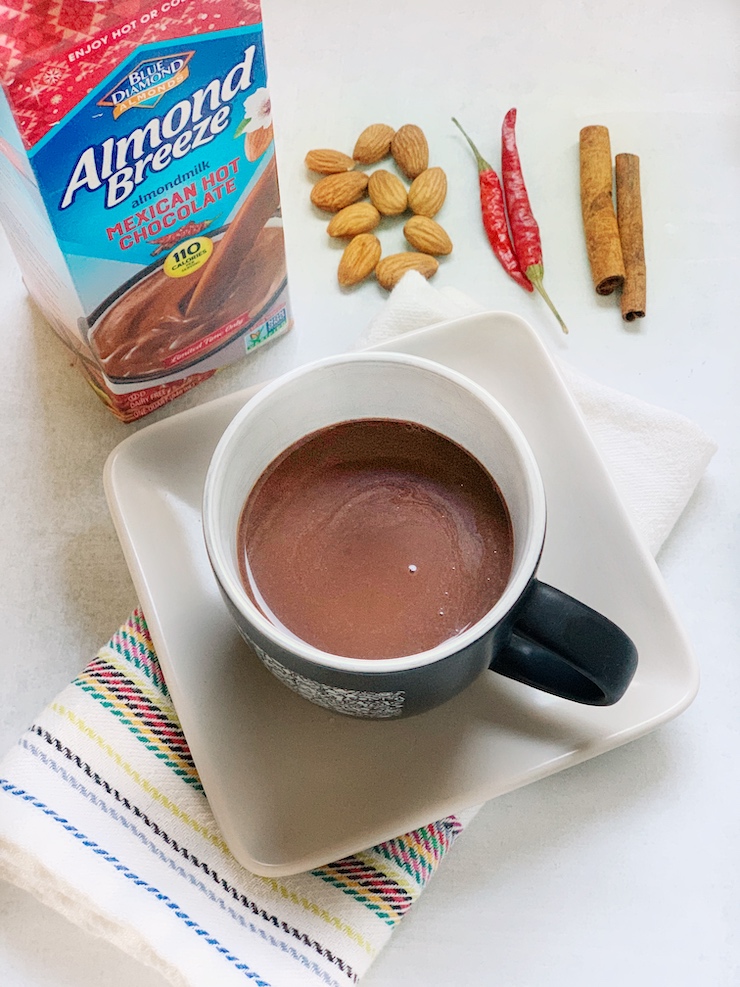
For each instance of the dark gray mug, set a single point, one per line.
(534, 633)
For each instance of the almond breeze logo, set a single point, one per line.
(120, 165)
(147, 82)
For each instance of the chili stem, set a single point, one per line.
(534, 272)
(483, 165)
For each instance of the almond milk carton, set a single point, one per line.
(138, 187)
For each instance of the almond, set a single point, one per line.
(337, 191)
(360, 217)
(387, 193)
(257, 142)
(427, 236)
(373, 143)
(328, 162)
(410, 149)
(428, 191)
(391, 269)
(360, 256)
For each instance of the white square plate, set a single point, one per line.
(293, 786)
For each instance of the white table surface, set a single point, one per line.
(625, 869)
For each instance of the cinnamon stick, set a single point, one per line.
(599, 219)
(629, 219)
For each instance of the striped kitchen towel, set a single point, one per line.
(103, 817)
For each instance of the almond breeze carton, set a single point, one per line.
(139, 189)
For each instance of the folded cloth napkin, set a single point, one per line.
(102, 815)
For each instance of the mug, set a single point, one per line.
(534, 633)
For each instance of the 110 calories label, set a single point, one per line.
(188, 257)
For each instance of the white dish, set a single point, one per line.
(293, 786)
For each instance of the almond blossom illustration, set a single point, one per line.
(257, 124)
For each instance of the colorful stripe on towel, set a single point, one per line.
(102, 793)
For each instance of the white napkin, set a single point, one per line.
(656, 457)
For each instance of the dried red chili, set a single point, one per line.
(169, 240)
(494, 216)
(525, 232)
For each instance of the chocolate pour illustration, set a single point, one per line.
(262, 203)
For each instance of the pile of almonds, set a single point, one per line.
(345, 191)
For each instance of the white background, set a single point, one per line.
(626, 869)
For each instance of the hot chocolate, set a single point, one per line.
(151, 329)
(162, 321)
(375, 539)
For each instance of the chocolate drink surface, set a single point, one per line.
(375, 539)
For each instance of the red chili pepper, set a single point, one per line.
(191, 228)
(494, 216)
(524, 229)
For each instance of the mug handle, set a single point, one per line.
(563, 647)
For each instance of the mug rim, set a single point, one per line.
(233, 588)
